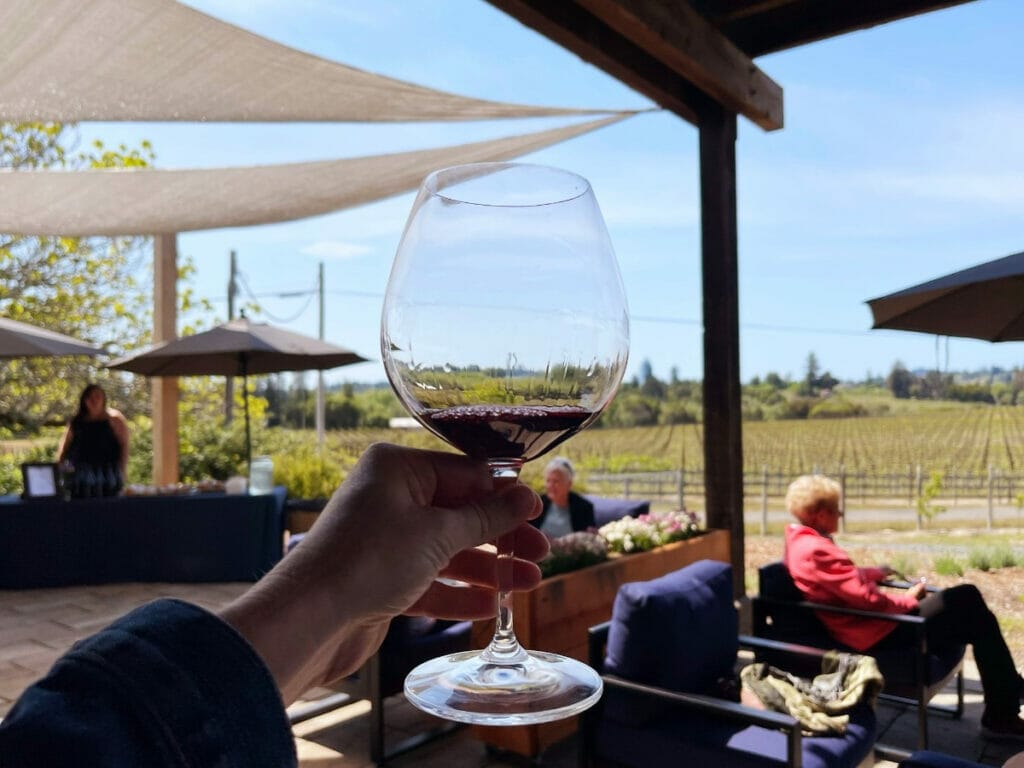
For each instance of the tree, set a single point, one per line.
(900, 381)
(826, 381)
(84, 287)
(645, 371)
(810, 382)
(654, 388)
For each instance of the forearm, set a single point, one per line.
(160, 685)
(301, 634)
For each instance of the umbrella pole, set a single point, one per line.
(248, 436)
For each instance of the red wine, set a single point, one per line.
(506, 431)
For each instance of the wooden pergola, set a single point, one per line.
(695, 59)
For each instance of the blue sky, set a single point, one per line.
(901, 160)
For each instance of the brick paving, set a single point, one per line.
(37, 626)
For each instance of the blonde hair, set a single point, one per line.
(808, 492)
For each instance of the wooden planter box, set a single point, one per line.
(557, 614)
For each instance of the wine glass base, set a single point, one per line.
(468, 689)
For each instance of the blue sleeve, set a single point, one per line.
(166, 685)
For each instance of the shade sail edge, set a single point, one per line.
(150, 201)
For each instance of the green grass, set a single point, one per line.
(992, 557)
(947, 565)
(906, 564)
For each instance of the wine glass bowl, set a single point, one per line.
(504, 332)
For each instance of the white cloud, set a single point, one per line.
(335, 249)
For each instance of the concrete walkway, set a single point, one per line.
(37, 626)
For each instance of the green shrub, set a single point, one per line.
(794, 408)
(307, 474)
(991, 558)
(905, 565)
(10, 473)
(925, 503)
(980, 559)
(835, 408)
(947, 565)
(1003, 556)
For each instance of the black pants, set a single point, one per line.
(959, 616)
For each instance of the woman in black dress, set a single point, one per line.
(95, 444)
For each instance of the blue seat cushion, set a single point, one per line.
(686, 738)
(678, 632)
(607, 510)
(924, 758)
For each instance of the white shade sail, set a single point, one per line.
(152, 201)
(158, 60)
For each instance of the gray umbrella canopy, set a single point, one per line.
(981, 302)
(24, 340)
(237, 348)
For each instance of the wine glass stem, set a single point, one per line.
(504, 648)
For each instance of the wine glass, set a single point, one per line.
(504, 332)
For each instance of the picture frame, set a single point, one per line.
(40, 480)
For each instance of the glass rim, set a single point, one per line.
(444, 178)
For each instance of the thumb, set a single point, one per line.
(490, 516)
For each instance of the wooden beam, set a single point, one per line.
(723, 437)
(578, 31)
(165, 388)
(778, 26)
(675, 34)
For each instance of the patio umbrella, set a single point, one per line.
(237, 348)
(24, 340)
(982, 302)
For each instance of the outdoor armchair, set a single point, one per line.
(780, 612)
(670, 646)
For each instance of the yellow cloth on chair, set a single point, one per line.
(820, 704)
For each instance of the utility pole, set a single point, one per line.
(229, 386)
(320, 404)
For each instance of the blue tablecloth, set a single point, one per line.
(194, 538)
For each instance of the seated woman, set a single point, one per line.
(95, 443)
(957, 616)
(564, 510)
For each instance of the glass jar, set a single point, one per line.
(261, 475)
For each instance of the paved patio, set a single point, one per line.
(37, 626)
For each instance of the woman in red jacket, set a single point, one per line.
(957, 616)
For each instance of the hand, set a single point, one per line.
(919, 589)
(401, 519)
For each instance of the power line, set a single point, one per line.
(288, 294)
(748, 326)
(634, 318)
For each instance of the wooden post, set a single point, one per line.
(918, 484)
(723, 443)
(764, 500)
(842, 497)
(991, 475)
(165, 388)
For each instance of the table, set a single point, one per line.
(205, 537)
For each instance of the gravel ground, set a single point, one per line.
(1003, 588)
